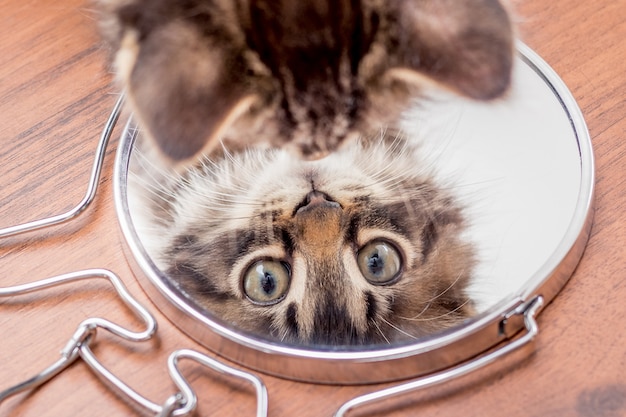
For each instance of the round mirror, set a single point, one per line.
(504, 192)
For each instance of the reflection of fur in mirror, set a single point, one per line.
(361, 246)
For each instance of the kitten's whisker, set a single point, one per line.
(389, 182)
(381, 333)
(392, 177)
(399, 330)
(214, 195)
(446, 314)
(211, 197)
(447, 289)
(155, 170)
(208, 165)
(228, 204)
(399, 140)
(419, 314)
(237, 163)
(219, 196)
(159, 193)
(281, 333)
(227, 217)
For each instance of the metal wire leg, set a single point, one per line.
(529, 311)
(91, 188)
(86, 331)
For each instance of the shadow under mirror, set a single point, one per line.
(397, 244)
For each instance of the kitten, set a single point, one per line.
(308, 218)
(308, 76)
(359, 247)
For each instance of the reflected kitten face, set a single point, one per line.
(359, 247)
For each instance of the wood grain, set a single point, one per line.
(56, 93)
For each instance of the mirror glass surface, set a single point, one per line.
(513, 166)
(516, 164)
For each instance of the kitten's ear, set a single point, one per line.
(466, 45)
(186, 94)
(184, 87)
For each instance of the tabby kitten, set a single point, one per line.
(308, 217)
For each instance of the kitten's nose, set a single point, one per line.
(316, 199)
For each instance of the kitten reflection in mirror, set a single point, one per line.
(274, 185)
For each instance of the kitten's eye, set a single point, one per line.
(379, 262)
(266, 282)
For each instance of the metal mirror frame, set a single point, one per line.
(425, 356)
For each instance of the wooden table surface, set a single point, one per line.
(55, 95)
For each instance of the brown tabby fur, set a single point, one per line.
(206, 227)
(252, 83)
(307, 75)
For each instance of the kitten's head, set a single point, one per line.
(303, 75)
(359, 247)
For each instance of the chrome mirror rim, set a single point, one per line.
(380, 364)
